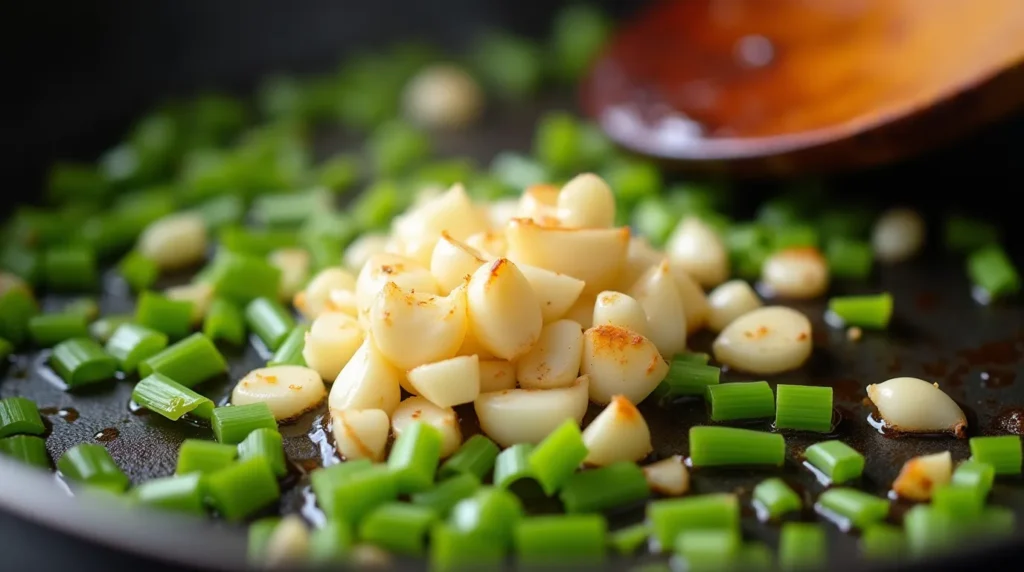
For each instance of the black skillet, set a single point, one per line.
(939, 333)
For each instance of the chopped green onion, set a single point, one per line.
(103, 329)
(289, 210)
(836, 460)
(858, 508)
(398, 527)
(92, 465)
(339, 173)
(242, 488)
(158, 312)
(265, 443)
(974, 473)
(558, 456)
(51, 329)
(221, 211)
(290, 350)
(161, 394)
(190, 361)
(138, 271)
(509, 65)
(378, 204)
(491, 513)
(723, 446)
(179, 493)
(269, 320)
(803, 407)
(87, 307)
(81, 361)
(260, 533)
(518, 172)
(396, 146)
(21, 262)
(669, 517)
(68, 180)
(351, 495)
(324, 481)
(627, 541)
(233, 424)
(1002, 452)
(882, 542)
(794, 236)
(756, 556)
(20, 416)
(991, 270)
(17, 306)
(414, 457)
(964, 502)
(70, 268)
(556, 142)
(249, 242)
(243, 278)
(802, 546)
(774, 498)
(604, 488)
(864, 311)
(224, 321)
(512, 465)
(655, 219)
(475, 457)
(849, 258)
(964, 234)
(132, 343)
(845, 221)
(708, 549)
(578, 33)
(732, 401)
(687, 377)
(200, 456)
(27, 449)
(930, 531)
(453, 549)
(448, 493)
(632, 179)
(561, 539)
(330, 543)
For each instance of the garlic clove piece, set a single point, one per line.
(699, 250)
(311, 301)
(668, 477)
(412, 329)
(618, 309)
(529, 415)
(912, 405)
(452, 262)
(555, 292)
(289, 390)
(449, 382)
(766, 341)
(620, 362)
(368, 381)
(657, 293)
(288, 543)
(921, 476)
(554, 361)
(331, 341)
(496, 375)
(360, 433)
(619, 433)
(380, 269)
(729, 301)
(504, 312)
(593, 255)
(443, 419)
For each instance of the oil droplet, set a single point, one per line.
(69, 414)
(136, 409)
(106, 435)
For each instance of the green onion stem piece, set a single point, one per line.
(255, 244)
(882, 542)
(803, 407)
(70, 268)
(688, 377)
(714, 549)
(224, 321)
(351, 497)
(669, 517)
(17, 307)
(243, 278)
(858, 508)
(512, 465)
(331, 543)
(27, 449)
(51, 329)
(965, 234)
(443, 497)
(558, 456)
(178, 493)
(91, 464)
(161, 394)
(160, 313)
(400, 528)
(835, 460)
(991, 270)
(82, 361)
(604, 488)
(265, 443)
(200, 456)
(233, 424)
(132, 343)
(189, 362)
(103, 329)
(722, 446)
(452, 549)
(964, 502)
(290, 350)
(491, 513)
(802, 546)
(20, 416)
(242, 488)
(849, 258)
(475, 457)
(269, 320)
(627, 541)
(1002, 452)
(414, 457)
(747, 400)
(138, 271)
(864, 311)
(324, 481)
(977, 474)
(561, 539)
(774, 498)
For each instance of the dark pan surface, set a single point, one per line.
(939, 334)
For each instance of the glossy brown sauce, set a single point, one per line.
(69, 414)
(107, 435)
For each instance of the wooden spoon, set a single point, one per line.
(807, 85)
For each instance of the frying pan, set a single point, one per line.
(938, 333)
